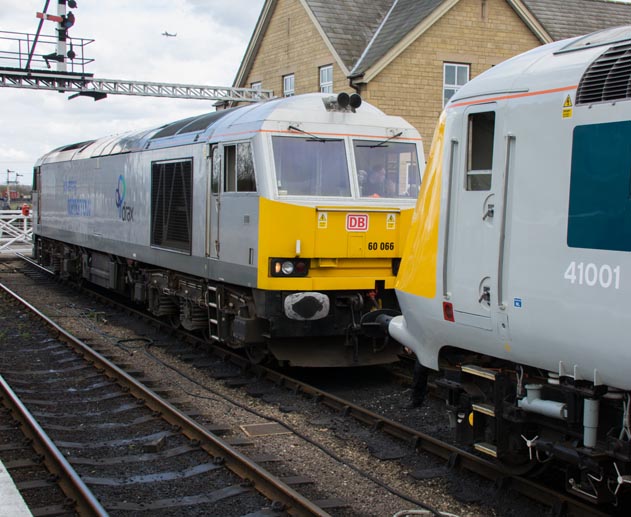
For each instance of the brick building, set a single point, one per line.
(405, 56)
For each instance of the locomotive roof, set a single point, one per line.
(200, 128)
(556, 65)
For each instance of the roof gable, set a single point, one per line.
(345, 25)
(349, 25)
(402, 17)
(365, 35)
(255, 42)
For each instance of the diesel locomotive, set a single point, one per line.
(259, 226)
(515, 283)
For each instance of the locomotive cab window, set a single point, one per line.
(239, 168)
(387, 169)
(215, 170)
(311, 167)
(36, 179)
(481, 133)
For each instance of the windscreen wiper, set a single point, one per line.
(381, 144)
(313, 137)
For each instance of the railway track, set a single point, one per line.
(116, 446)
(454, 457)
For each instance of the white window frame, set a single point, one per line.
(326, 79)
(289, 82)
(454, 87)
(258, 85)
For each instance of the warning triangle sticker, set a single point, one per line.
(568, 102)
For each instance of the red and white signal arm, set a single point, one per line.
(356, 222)
(49, 17)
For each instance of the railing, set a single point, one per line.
(20, 67)
(16, 231)
(15, 51)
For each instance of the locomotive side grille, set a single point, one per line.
(171, 201)
(608, 78)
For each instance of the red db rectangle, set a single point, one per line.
(356, 222)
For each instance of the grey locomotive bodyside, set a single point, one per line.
(173, 218)
(515, 282)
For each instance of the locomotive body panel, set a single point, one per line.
(235, 218)
(514, 282)
(327, 235)
(535, 321)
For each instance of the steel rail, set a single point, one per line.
(421, 441)
(68, 480)
(263, 481)
(456, 457)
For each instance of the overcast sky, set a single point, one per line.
(212, 36)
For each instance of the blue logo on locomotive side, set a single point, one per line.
(125, 212)
(76, 206)
(79, 207)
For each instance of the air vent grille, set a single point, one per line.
(171, 197)
(608, 78)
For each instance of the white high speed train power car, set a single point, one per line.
(516, 278)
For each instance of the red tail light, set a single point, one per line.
(448, 311)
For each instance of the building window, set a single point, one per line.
(288, 85)
(454, 76)
(326, 79)
(257, 86)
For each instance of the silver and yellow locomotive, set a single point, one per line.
(516, 278)
(273, 227)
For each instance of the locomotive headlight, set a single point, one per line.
(289, 267)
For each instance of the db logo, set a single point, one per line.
(356, 222)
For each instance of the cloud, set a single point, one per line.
(212, 36)
(235, 14)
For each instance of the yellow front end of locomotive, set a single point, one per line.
(341, 247)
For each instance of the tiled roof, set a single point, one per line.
(402, 18)
(571, 18)
(349, 24)
(363, 31)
